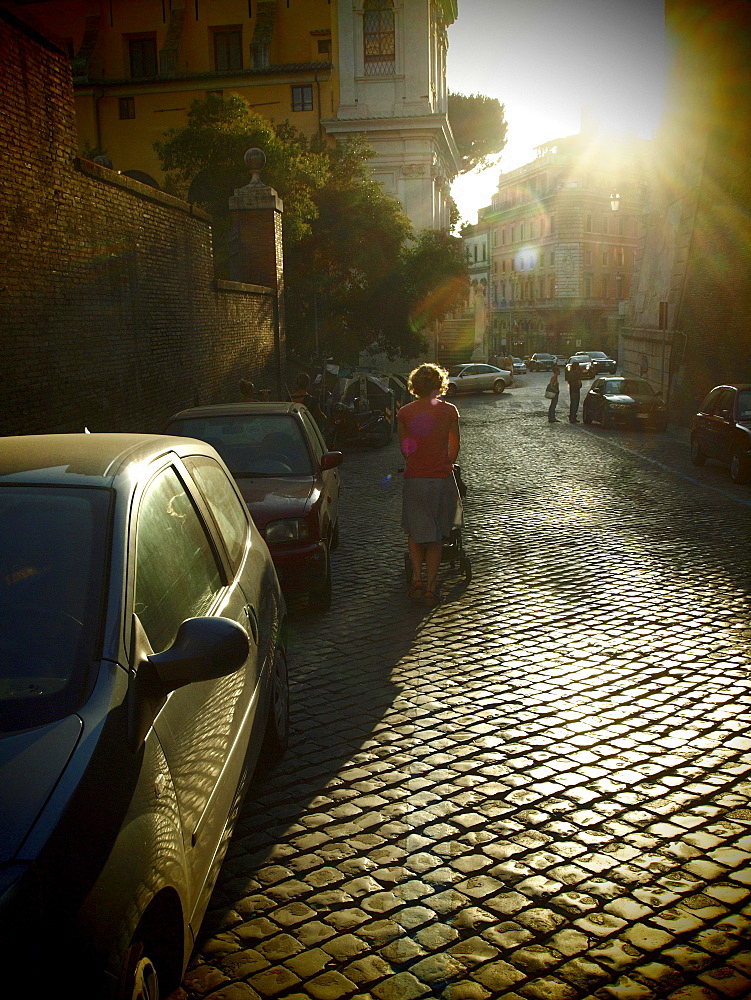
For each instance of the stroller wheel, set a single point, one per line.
(407, 568)
(466, 568)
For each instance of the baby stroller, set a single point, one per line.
(453, 548)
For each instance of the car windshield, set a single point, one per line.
(582, 359)
(252, 444)
(627, 387)
(53, 562)
(744, 404)
(597, 354)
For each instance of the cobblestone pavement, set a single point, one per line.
(541, 788)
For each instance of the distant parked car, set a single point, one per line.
(585, 365)
(627, 402)
(477, 378)
(142, 675)
(601, 363)
(722, 430)
(288, 478)
(519, 367)
(541, 362)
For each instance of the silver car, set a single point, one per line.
(142, 676)
(477, 378)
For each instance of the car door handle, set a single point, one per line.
(250, 614)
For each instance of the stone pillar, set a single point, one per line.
(256, 247)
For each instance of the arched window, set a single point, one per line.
(379, 47)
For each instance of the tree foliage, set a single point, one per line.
(355, 275)
(479, 126)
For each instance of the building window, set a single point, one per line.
(503, 266)
(587, 256)
(127, 107)
(587, 286)
(324, 46)
(552, 223)
(521, 232)
(379, 38)
(605, 224)
(483, 251)
(604, 258)
(542, 258)
(228, 48)
(302, 97)
(619, 256)
(551, 288)
(541, 287)
(142, 60)
(621, 227)
(588, 223)
(513, 234)
(604, 286)
(503, 237)
(552, 257)
(619, 286)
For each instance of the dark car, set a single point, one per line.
(601, 363)
(288, 478)
(142, 675)
(477, 378)
(541, 362)
(585, 365)
(722, 430)
(627, 402)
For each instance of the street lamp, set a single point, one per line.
(615, 201)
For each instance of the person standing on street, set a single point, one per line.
(429, 440)
(555, 388)
(303, 395)
(574, 379)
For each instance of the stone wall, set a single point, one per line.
(110, 315)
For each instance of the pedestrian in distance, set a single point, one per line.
(574, 379)
(248, 391)
(303, 395)
(552, 392)
(429, 440)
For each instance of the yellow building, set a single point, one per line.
(333, 67)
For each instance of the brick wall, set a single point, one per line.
(110, 314)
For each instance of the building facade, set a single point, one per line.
(564, 233)
(330, 67)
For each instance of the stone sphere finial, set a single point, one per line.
(255, 161)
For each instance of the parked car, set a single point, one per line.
(142, 676)
(601, 363)
(630, 402)
(721, 430)
(585, 365)
(477, 378)
(288, 478)
(519, 367)
(541, 362)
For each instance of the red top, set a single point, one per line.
(424, 436)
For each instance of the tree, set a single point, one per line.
(479, 128)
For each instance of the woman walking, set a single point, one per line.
(429, 439)
(552, 391)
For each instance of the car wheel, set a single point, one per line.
(606, 421)
(740, 471)
(697, 455)
(334, 543)
(276, 737)
(498, 386)
(319, 597)
(451, 389)
(145, 981)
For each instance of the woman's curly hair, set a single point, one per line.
(428, 378)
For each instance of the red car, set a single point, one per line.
(722, 430)
(287, 477)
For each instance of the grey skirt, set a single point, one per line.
(429, 508)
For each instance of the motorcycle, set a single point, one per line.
(352, 426)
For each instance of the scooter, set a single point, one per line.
(351, 426)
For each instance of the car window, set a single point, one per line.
(597, 354)
(176, 570)
(53, 561)
(315, 438)
(229, 512)
(251, 444)
(722, 402)
(456, 370)
(706, 406)
(744, 404)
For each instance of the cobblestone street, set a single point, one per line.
(538, 789)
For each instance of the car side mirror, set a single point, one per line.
(204, 649)
(330, 460)
(725, 414)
